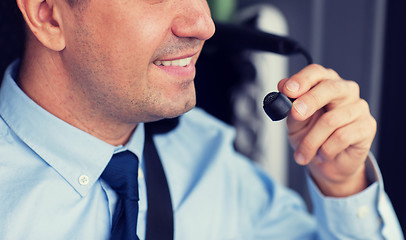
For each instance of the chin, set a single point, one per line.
(181, 110)
(168, 111)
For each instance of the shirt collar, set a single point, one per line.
(77, 156)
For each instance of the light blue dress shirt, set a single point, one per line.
(50, 186)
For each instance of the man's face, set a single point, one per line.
(134, 60)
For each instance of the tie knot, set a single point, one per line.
(121, 174)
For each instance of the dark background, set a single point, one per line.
(393, 117)
(11, 33)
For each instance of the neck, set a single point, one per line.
(46, 81)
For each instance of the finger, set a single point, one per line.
(327, 93)
(358, 135)
(306, 79)
(325, 126)
(301, 128)
(282, 83)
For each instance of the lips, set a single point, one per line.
(183, 62)
(182, 68)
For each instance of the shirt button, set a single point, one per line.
(140, 173)
(363, 212)
(83, 180)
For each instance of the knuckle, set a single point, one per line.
(336, 86)
(327, 151)
(330, 119)
(314, 98)
(307, 145)
(353, 87)
(317, 67)
(364, 105)
(341, 135)
(373, 123)
(371, 126)
(345, 87)
(332, 73)
(366, 130)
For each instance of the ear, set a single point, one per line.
(43, 17)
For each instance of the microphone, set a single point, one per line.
(247, 38)
(276, 105)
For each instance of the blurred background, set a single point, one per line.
(362, 40)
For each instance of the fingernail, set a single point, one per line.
(292, 86)
(300, 159)
(300, 107)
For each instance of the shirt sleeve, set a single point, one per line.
(366, 215)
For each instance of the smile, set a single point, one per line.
(175, 63)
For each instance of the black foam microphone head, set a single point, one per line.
(277, 105)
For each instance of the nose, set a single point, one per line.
(193, 20)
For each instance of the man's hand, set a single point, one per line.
(330, 128)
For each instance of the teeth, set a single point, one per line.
(175, 63)
(166, 63)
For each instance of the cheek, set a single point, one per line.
(123, 41)
(134, 35)
(132, 48)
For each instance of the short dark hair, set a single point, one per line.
(12, 33)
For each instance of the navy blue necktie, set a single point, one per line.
(121, 174)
